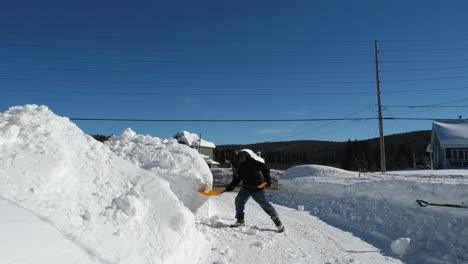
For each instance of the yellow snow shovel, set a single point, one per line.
(218, 193)
(211, 193)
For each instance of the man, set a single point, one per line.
(253, 174)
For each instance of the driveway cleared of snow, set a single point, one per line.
(306, 239)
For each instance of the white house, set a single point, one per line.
(449, 144)
(204, 147)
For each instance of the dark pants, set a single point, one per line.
(259, 195)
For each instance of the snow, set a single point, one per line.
(112, 210)
(306, 240)
(307, 173)
(382, 208)
(400, 246)
(451, 133)
(163, 158)
(253, 155)
(67, 198)
(22, 229)
(193, 140)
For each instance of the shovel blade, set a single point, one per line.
(211, 193)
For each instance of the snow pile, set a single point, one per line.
(313, 172)
(112, 210)
(193, 140)
(382, 208)
(183, 167)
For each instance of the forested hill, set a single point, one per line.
(403, 151)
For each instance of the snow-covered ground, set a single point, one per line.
(67, 198)
(380, 209)
(306, 239)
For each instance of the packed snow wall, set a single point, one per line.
(382, 209)
(113, 210)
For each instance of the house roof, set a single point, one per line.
(451, 133)
(193, 140)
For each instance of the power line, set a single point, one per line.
(424, 90)
(115, 35)
(414, 50)
(426, 69)
(425, 106)
(178, 83)
(3, 44)
(436, 105)
(316, 128)
(424, 40)
(400, 61)
(428, 79)
(170, 72)
(181, 62)
(223, 84)
(251, 120)
(221, 94)
(181, 93)
(215, 40)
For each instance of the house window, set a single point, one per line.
(459, 154)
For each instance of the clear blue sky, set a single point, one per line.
(308, 59)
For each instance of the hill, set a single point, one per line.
(406, 150)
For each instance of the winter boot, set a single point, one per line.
(278, 224)
(239, 222)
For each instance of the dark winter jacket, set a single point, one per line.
(251, 173)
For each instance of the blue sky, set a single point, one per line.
(236, 60)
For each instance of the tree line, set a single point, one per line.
(403, 151)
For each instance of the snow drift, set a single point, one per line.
(113, 210)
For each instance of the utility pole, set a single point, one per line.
(383, 167)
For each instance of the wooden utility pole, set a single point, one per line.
(383, 167)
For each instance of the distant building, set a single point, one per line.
(204, 147)
(449, 144)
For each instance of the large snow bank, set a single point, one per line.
(381, 209)
(113, 210)
(183, 167)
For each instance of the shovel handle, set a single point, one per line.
(424, 204)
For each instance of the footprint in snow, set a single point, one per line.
(258, 244)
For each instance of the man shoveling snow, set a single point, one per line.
(254, 175)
